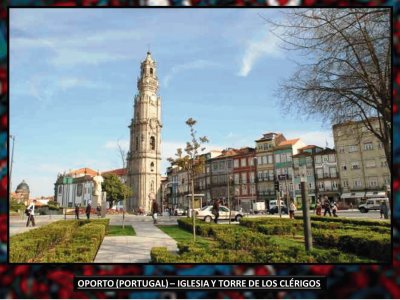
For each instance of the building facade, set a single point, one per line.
(22, 193)
(362, 164)
(265, 165)
(327, 175)
(144, 157)
(75, 188)
(244, 171)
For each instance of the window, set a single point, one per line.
(252, 189)
(152, 166)
(229, 164)
(373, 181)
(345, 183)
(251, 161)
(244, 189)
(343, 167)
(79, 190)
(355, 165)
(370, 163)
(339, 133)
(60, 189)
(236, 178)
(151, 71)
(383, 163)
(243, 162)
(215, 166)
(352, 148)
(271, 174)
(137, 143)
(251, 177)
(221, 165)
(260, 176)
(236, 163)
(368, 146)
(152, 143)
(244, 178)
(283, 157)
(341, 149)
(325, 158)
(318, 159)
(277, 158)
(380, 145)
(270, 159)
(357, 183)
(296, 162)
(332, 171)
(332, 158)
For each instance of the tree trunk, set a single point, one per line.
(193, 212)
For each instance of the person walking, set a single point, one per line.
(98, 210)
(88, 210)
(31, 214)
(327, 207)
(215, 211)
(292, 209)
(334, 210)
(154, 211)
(77, 211)
(318, 208)
(384, 210)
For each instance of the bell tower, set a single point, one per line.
(144, 157)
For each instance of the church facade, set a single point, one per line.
(144, 157)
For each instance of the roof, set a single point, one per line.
(309, 147)
(287, 143)
(118, 172)
(326, 151)
(86, 171)
(23, 186)
(302, 154)
(269, 136)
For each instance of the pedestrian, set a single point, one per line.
(215, 211)
(30, 212)
(77, 211)
(88, 210)
(318, 208)
(292, 209)
(327, 207)
(98, 210)
(334, 209)
(384, 210)
(154, 211)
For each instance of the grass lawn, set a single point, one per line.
(181, 235)
(117, 230)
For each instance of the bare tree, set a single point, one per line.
(191, 162)
(346, 73)
(127, 190)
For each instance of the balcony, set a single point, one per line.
(326, 175)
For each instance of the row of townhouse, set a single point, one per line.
(356, 171)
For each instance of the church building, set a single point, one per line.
(144, 157)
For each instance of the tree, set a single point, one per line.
(346, 75)
(53, 205)
(115, 189)
(191, 162)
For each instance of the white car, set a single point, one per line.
(205, 213)
(372, 204)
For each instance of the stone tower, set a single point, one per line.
(144, 157)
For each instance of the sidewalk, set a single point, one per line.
(134, 249)
(18, 224)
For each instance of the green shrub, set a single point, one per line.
(361, 222)
(374, 246)
(162, 255)
(240, 239)
(280, 229)
(61, 241)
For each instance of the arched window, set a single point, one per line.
(152, 143)
(151, 166)
(137, 143)
(151, 71)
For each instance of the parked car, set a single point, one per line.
(372, 204)
(273, 207)
(205, 213)
(179, 212)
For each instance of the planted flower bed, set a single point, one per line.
(59, 242)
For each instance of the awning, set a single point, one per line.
(377, 194)
(352, 195)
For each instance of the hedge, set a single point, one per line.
(255, 222)
(240, 238)
(377, 246)
(348, 221)
(61, 241)
(202, 228)
(347, 226)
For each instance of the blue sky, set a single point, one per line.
(73, 78)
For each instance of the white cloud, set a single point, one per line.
(197, 64)
(265, 45)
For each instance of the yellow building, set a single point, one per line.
(362, 164)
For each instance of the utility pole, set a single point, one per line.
(12, 161)
(306, 217)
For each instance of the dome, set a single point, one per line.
(22, 187)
